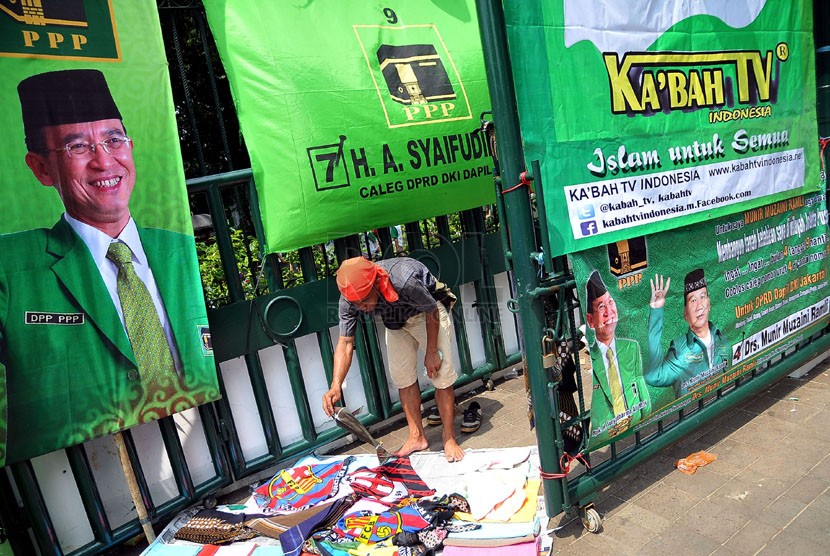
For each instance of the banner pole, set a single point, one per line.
(129, 474)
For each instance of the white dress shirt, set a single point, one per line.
(98, 243)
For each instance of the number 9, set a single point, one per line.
(390, 14)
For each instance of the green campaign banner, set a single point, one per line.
(743, 289)
(356, 114)
(648, 115)
(99, 331)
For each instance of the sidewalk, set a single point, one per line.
(767, 493)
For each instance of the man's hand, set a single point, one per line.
(432, 362)
(659, 290)
(330, 398)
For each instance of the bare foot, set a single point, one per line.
(412, 445)
(453, 451)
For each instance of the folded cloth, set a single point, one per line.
(494, 534)
(164, 549)
(212, 527)
(523, 549)
(492, 543)
(488, 530)
(488, 489)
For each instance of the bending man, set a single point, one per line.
(410, 301)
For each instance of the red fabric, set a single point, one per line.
(357, 275)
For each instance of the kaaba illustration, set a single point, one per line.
(46, 12)
(414, 73)
(627, 256)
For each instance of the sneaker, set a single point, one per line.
(433, 418)
(471, 420)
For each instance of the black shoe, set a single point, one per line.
(471, 420)
(433, 419)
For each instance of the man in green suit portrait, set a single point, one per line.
(102, 322)
(697, 355)
(620, 398)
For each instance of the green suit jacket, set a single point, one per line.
(69, 368)
(686, 363)
(637, 399)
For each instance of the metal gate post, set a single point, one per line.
(520, 233)
(821, 32)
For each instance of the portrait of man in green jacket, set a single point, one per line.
(620, 398)
(102, 322)
(696, 355)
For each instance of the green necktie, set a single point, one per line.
(155, 362)
(614, 382)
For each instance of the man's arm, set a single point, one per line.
(660, 371)
(432, 361)
(342, 363)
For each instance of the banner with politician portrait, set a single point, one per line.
(648, 115)
(356, 115)
(103, 324)
(674, 316)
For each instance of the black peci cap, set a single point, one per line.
(595, 289)
(695, 280)
(64, 97)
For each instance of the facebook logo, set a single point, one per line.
(588, 228)
(586, 211)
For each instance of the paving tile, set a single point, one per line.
(818, 423)
(807, 489)
(702, 484)
(679, 540)
(577, 548)
(667, 501)
(821, 502)
(822, 469)
(764, 488)
(780, 512)
(631, 487)
(812, 523)
(712, 520)
(654, 522)
(604, 543)
(725, 551)
(791, 545)
(751, 537)
(567, 530)
(738, 453)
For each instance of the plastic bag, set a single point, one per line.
(690, 463)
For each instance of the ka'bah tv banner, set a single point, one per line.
(356, 115)
(91, 153)
(658, 114)
(743, 289)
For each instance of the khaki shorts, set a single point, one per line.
(402, 351)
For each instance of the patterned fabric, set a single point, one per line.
(408, 517)
(298, 488)
(155, 362)
(296, 539)
(213, 527)
(367, 527)
(401, 470)
(372, 484)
